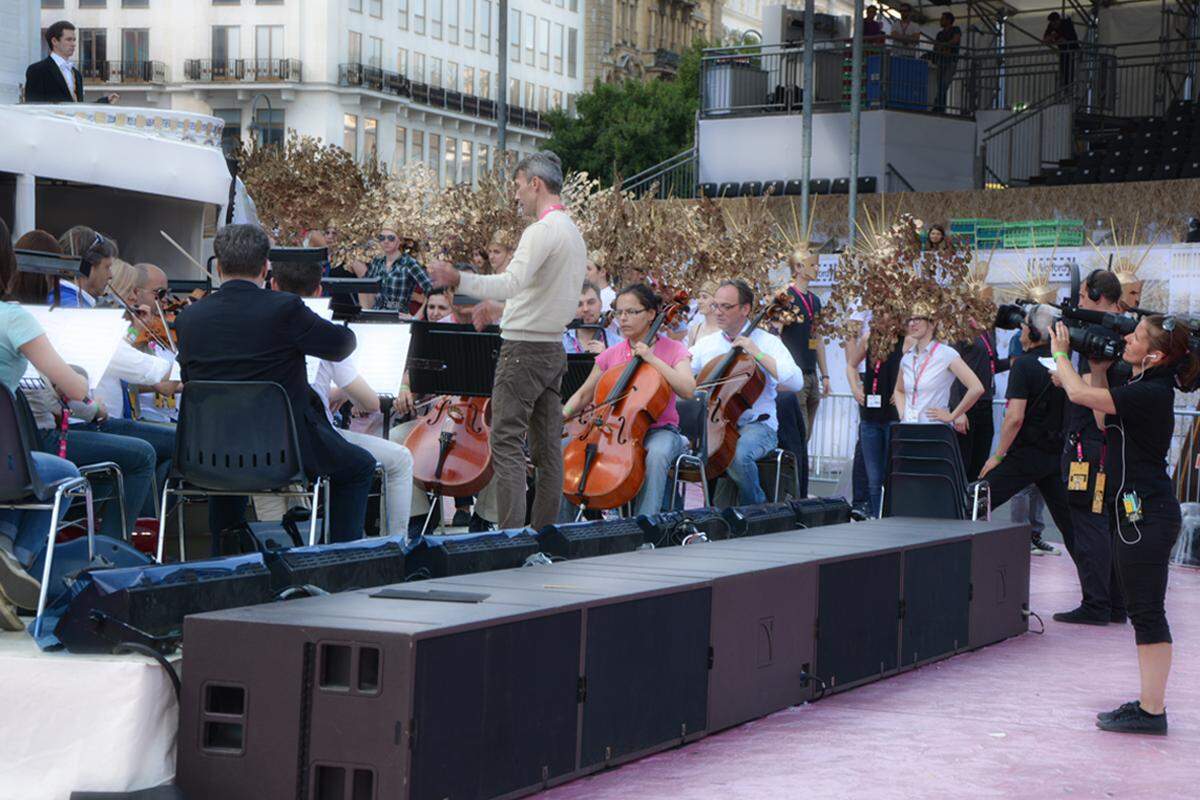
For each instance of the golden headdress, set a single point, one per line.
(1125, 261)
(797, 240)
(1035, 284)
(978, 274)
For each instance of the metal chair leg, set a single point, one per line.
(435, 506)
(778, 474)
(383, 510)
(44, 591)
(704, 487)
(312, 514)
(179, 531)
(162, 520)
(325, 513)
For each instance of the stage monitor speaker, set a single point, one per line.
(339, 567)
(858, 616)
(157, 793)
(999, 585)
(147, 605)
(593, 538)
(815, 512)
(443, 556)
(937, 602)
(759, 519)
(672, 527)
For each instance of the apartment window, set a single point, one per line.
(485, 26)
(402, 14)
(402, 62)
(270, 125)
(350, 134)
(435, 18)
(268, 42)
(514, 92)
(418, 74)
(376, 9)
(82, 4)
(468, 23)
(93, 47)
(530, 39)
(514, 35)
(370, 138)
(400, 154)
(574, 6)
(433, 156)
(571, 104)
(466, 162)
(418, 146)
(559, 35)
(451, 21)
(135, 45)
(485, 84)
(356, 5)
(225, 44)
(435, 72)
(530, 95)
(468, 84)
(451, 161)
(483, 157)
(355, 47)
(544, 43)
(452, 75)
(559, 3)
(543, 99)
(572, 51)
(231, 134)
(419, 16)
(375, 52)
(556, 99)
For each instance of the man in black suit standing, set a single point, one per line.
(243, 332)
(55, 79)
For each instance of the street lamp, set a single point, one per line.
(254, 126)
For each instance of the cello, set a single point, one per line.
(734, 382)
(451, 446)
(604, 464)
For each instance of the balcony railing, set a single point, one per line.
(254, 70)
(125, 72)
(395, 84)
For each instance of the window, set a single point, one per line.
(402, 62)
(485, 84)
(376, 9)
(268, 43)
(559, 36)
(231, 134)
(451, 21)
(530, 95)
(483, 157)
(418, 146)
(435, 18)
(135, 45)
(350, 134)
(93, 51)
(433, 156)
(468, 23)
(370, 138)
(418, 73)
(514, 35)
(451, 161)
(485, 26)
(544, 43)
(543, 99)
(400, 154)
(419, 16)
(225, 45)
(83, 4)
(356, 5)
(571, 104)
(556, 99)
(355, 54)
(375, 52)
(270, 125)
(435, 72)
(572, 51)
(452, 75)
(468, 84)
(465, 163)
(402, 14)
(514, 92)
(530, 39)
(574, 6)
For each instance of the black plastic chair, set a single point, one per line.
(706, 190)
(909, 440)
(1191, 168)
(1141, 171)
(840, 186)
(1168, 170)
(693, 426)
(1113, 172)
(819, 186)
(22, 489)
(794, 187)
(235, 439)
(728, 189)
(774, 188)
(776, 459)
(908, 495)
(751, 189)
(868, 184)
(1087, 174)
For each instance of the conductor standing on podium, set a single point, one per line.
(55, 79)
(541, 287)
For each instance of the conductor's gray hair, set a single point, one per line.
(545, 166)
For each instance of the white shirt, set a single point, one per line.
(339, 373)
(927, 380)
(608, 296)
(132, 366)
(68, 72)
(790, 377)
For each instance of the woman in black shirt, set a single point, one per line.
(1143, 512)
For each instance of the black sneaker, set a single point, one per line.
(1080, 616)
(1118, 618)
(478, 524)
(1040, 546)
(462, 518)
(1136, 721)
(1120, 711)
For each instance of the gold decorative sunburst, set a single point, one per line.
(1125, 258)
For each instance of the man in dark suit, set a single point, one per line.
(244, 332)
(55, 79)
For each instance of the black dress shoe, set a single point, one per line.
(1118, 618)
(1080, 616)
(478, 524)
(1119, 711)
(1135, 720)
(462, 518)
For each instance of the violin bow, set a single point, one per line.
(108, 290)
(188, 256)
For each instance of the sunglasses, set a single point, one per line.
(387, 237)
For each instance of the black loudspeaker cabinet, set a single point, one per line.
(815, 512)
(936, 609)
(999, 585)
(139, 603)
(672, 527)
(760, 519)
(441, 557)
(339, 567)
(595, 538)
(858, 615)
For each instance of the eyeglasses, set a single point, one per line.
(387, 237)
(159, 294)
(725, 306)
(622, 313)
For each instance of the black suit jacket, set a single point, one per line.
(244, 333)
(44, 83)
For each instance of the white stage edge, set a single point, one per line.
(82, 723)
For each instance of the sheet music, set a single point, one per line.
(382, 353)
(320, 307)
(84, 337)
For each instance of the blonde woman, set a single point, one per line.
(703, 324)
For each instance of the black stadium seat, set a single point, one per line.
(794, 186)
(774, 188)
(1087, 174)
(1191, 168)
(1140, 171)
(1113, 172)
(1168, 170)
(819, 186)
(706, 190)
(751, 189)
(840, 186)
(867, 184)
(728, 189)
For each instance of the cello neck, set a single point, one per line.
(627, 375)
(732, 355)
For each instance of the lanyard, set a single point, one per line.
(875, 383)
(991, 353)
(803, 298)
(1103, 451)
(555, 207)
(917, 375)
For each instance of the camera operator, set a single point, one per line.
(1144, 515)
(1081, 468)
(1027, 453)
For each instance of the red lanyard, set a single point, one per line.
(991, 353)
(875, 383)
(62, 429)
(803, 298)
(917, 375)
(1103, 452)
(555, 207)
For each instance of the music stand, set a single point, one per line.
(299, 254)
(186, 286)
(452, 359)
(579, 366)
(52, 264)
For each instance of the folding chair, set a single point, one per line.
(693, 426)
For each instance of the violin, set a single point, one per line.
(604, 464)
(734, 382)
(451, 446)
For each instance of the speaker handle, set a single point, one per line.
(304, 590)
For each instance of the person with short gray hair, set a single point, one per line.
(546, 167)
(242, 250)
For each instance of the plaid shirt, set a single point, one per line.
(397, 284)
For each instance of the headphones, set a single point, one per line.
(89, 258)
(1093, 292)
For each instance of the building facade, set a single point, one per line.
(642, 39)
(399, 80)
(18, 45)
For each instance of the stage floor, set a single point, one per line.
(1011, 720)
(82, 722)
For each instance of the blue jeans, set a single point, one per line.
(754, 441)
(874, 438)
(160, 436)
(29, 530)
(663, 446)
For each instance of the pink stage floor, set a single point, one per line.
(1011, 720)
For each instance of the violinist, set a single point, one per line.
(636, 307)
(758, 426)
(97, 254)
(586, 334)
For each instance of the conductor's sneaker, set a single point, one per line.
(1080, 616)
(1040, 546)
(1119, 711)
(16, 583)
(1136, 721)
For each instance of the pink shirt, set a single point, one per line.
(669, 350)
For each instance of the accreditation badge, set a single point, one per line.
(1077, 479)
(874, 401)
(1098, 497)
